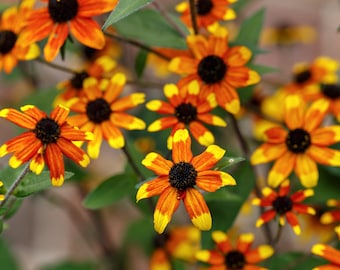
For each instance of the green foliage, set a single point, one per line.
(159, 33)
(43, 99)
(110, 191)
(7, 260)
(69, 265)
(140, 62)
(225, 162)
(124, 9)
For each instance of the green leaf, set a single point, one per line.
(140, 63)
(69, 265)
(225, 162)
(250, 30)
(31, 183)
(151, 28)
(110, 191)
(43, 99)
(6, 257)
(263, 69)
(14, 207)
(239, 5)
(123, 9)
(293, 261)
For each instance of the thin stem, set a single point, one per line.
(52, 65)
(132, 163)
(169, 19)
(193, 12)
(137, 44)
(278, 236)
(15, 184)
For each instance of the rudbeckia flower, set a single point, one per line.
(103, 113)
(98, 69)
(284, 205)
(179, 179)
(12, 34)
(178, 243)
(208, 12)
(60, 17)
(301, 145)
(48, 138)
(329, 253)
(227, 257)
(333, 215)
(186, 108)
(218, 68)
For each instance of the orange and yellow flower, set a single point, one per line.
(103, 113)
(227, 257)
(302, 145)
(329, 253)
(284, 205)
(178, 243)
(61, 17)
(208, 12)
(177, 180)
(12, 33)
(218, 68)
(48, 138)
(333, 215)
(99, 69)
(186, 108)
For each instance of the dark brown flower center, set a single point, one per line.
(331, 91)
(78, 79)
(47, 131)
(212, 69)
(62, 11)
(7, 41)
(298, 140)
(282, 204)
(302, 76)
(186, 113)
(182, 175)
(98, 110)
(159, 241)
(235, 260)
(204, 7)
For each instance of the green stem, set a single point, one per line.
(15, 184)
(132, 163)
(193, 12)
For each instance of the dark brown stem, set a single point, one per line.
(193, 12)
(52, 65)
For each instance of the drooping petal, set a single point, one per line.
(303, 209)
(54, 161)
(197, 209)
(113, 135)
(37, 163)
(56, 39)
(227, 98)
(152, 188)
(265, 217)
(201, 133)
(93, 147)
(166, 205)
(282, 167)
(212, 180)
(73, 152)
(181, 146)
(208, 158)
(156, 163)
(306, 170)
(293, 221)
(18, 143)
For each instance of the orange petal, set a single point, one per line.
(268, 152)
(33, 112)
(18, 143)
(208, 158)
(213, 257)
(283, 166)
(324, 155)
(56, 39)
(265, 217)
(212, 180)
(227, 98)
(327, 252)
(112, 134)
(293, 221)
(244, 242)
(90, 8)
(306, 170)
(259, 254)
(73, 152)
(72, 134)
(325, 136)
(181, 146)
(157, 163)
(315, 114)
(126, 121)
(238, 56)
(18, 118)
(197, 209)
(160, 107)
(59, 114)
(294, 112)
(153, 188)
(201, 133)
(160, 260)
(222, 241)
(54, 161)
(183, 65)
(275, 135)
(128, 102)
(198, 45)
(163, 123)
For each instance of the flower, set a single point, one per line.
(60, 17)
(12, 34)
(103, 113)
(227, 257)
(330, 254)
(176, 181)
(284, 205)
(180, 242)
(47, 139)
(302, 145)
(74, 87)
(333, 215)
(186, 108)
(208, 12)
(218, 68)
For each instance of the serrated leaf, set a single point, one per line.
(124, 9)
(110, 191)
(151, 28)
(140, 62)
(250, 30)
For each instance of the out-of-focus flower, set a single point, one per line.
(302, 145)
(218, 68)
(208, 12)
(12, 33)
(99, 69)
(177, 180)
(186, 108)
(48, 138)
(333, 215)
(179, 243)
(284, 205)
(60, 17)
(242, 256)
(286, 34)
(103, 112)
(329, 253)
